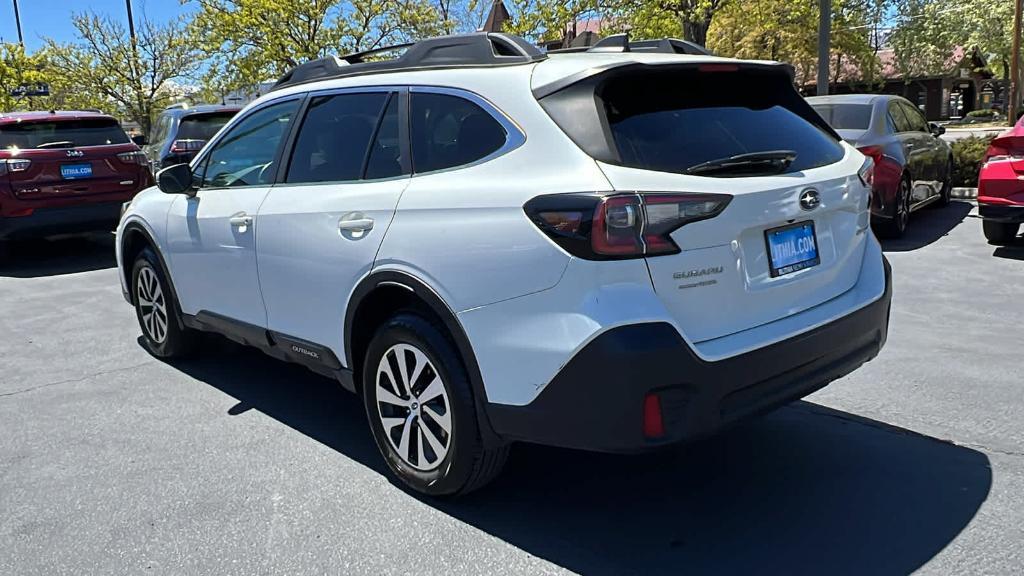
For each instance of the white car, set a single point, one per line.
(615, 249)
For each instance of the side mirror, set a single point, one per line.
(935, 129)
(176, 179)
(140, 139)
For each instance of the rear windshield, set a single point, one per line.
(845, 116)
(62, 134)
(202, 126)
(673, 120)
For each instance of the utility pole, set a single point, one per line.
(131, 21)
(824, 41)
(1015, 66)
(17, 22)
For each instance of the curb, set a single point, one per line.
(965, 193)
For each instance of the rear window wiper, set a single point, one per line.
(59, 144)
(769, 161)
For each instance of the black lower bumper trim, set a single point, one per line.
(596, 401)
(1001, 213)
(65, 220)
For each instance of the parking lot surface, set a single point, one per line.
(112, 462)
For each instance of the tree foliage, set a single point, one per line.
(137, 79)
(928, 31)
(17, 69)
(787, 30)
(252, 41)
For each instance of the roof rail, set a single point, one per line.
(622, 43)
(482, 49)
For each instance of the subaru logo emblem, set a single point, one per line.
(75, 153)
(810, 199)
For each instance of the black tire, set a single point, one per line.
(896, 226)
(1000, 233)
(464, 465)
(946, 193)
(160, 320)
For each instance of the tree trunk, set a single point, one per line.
(696, 32)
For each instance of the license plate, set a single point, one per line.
(75, 171)
(792, 248)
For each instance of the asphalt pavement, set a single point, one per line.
(112, 462)
(954, 134)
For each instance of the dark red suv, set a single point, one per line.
(63, 172)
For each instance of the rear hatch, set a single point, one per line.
(70, 157)
(811, 207)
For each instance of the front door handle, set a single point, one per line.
(357, 225)
(241, 221)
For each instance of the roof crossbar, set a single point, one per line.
(482, 49)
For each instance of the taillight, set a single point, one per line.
(14, 165)
(181, 146)
(867, 172)
(136, 157)
(616, 226)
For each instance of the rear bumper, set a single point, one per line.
(596, 401)
(1009, 214)
(65, 220)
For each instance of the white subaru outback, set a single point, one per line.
(610, 249)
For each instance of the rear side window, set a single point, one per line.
(202, 126)
(899, 119)
(845, 116)
(63, 134)
(449, 131)
(335, 137)
(672, 121)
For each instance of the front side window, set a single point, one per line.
(335, 136)
(450, 131)
(245, 156)
(62, 134)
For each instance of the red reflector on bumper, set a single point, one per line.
(653, 425)
(21, 212)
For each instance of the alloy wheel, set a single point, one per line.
(903, 206)
(413, 407)
(152, 305)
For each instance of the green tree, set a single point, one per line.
(689, 19)
(138, 79)
(253, 41)
(928, 31)
(18, 68)
(787, 30)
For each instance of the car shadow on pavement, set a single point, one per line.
(928, 225)
(57, 256)
(806, 489)
(1013, 251)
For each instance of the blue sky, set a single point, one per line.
(52, 18)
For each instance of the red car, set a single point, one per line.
(64, 172)
(1001, 186)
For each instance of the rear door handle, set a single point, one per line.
(241, 221)
(357, 225)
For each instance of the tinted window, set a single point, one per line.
(914, 117)
(845, 116)
(202, 126)
(450, 131)
(899, 119)
(385, 155)
(163, 126)
(245, 155)
(63, 134)
(335, 136)
(672, 121)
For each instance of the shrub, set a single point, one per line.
(982, 113)
(967, 156)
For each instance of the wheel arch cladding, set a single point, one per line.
(379, 296)
(136, 239)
